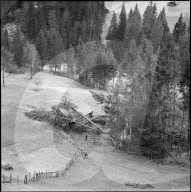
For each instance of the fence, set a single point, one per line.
(37, 175)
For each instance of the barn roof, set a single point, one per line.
(83, 108)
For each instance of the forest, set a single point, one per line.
(151, 111)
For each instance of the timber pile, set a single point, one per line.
(139, 185)
(54, 116)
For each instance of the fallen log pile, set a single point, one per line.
(139, 185)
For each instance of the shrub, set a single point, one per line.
(63, 74)
(14, 69)
(37, 82)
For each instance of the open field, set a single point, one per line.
(30, 145)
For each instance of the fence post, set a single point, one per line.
(39, 173)
(34, 174)
(10, 178)
(3, 178)
(29, 176)
(25, 180)
(17, 179)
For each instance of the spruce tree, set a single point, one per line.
(122, 24)
(128, 32)
(158, 109)
(41, 46)
(112, 29)
(52, 19)
(157, 34)
(17, 48)
(163, 20)
(5, 38)
(184, 81)
(149, 18)
(30, 27)
(133, 26)
(41, 19)
(66, 29)
(84, 30)
(179, 28)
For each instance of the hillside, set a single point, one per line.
(56, 50)
(39, 146)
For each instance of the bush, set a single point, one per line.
(64, 74)
(15, 70)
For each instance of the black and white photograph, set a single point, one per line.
(95, 95)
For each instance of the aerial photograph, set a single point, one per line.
(95, 95)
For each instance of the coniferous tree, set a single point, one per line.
(52, 19)
(128, 32)
(133, 26)
(157, 34)
(30, 27)
(163, 20)
(41, 19)
(17, 48)
(55, 42)
(71, 60)
(41, 46)
(84, 30)
(149, 59)
(66, 29)
(179, 28)
(122, 24)
(149, 18)
(5, 39)
(76, 30)
(153, 15)
(112, 29)
(158, 109)
(184, 80)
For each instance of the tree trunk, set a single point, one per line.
(132, 94)
(3, 76)
(188, 127)
(31, 71)
(91, 28)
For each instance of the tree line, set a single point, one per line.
(51, 27)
